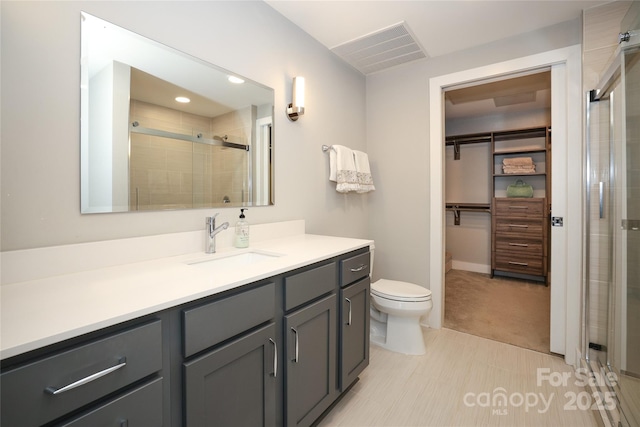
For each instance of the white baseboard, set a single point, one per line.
(469, 266)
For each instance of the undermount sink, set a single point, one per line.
(234, 260)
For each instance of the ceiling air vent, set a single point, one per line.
(380, 50)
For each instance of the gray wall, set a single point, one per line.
(398, 143)
(40, 128)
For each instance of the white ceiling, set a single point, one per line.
(439, 27)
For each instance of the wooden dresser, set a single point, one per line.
(520, 236)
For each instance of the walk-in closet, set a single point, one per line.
(497, 175)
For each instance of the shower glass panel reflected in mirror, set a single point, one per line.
(612, 312)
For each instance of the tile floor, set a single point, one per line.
(459, 382)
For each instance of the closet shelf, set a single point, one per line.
(523, 151)
(498, 175)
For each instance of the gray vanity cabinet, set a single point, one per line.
(234, 385)
(277, 352)
(355, 287)
(310, 360)
(231, 365)
(354, 331)
(91, 380)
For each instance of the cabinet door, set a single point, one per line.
(354, 331)
(234, 385)
(311, 361)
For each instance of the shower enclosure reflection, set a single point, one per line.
(612, 313)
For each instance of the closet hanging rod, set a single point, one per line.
(456, 208)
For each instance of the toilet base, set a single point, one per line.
(402, 335)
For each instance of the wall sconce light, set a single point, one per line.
(296, 108)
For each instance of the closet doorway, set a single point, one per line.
(497, 191)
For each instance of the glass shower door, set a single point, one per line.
(612, 312)
(626, 272)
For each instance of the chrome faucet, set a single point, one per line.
(212, 230)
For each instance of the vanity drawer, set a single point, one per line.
(308, 285)
(139, 407)
(533, 265)
(519, 227)
(354, 268)
(122, 359)
(519, 208)
(214, 322)
(521, 246)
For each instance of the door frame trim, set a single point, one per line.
(565, 259)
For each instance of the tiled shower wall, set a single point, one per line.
(600, 39)
(172, 174)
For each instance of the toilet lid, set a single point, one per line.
(400, 291)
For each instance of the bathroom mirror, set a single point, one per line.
(143, 149)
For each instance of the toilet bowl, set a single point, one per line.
(396, 309)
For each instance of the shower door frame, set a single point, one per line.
(613, 78)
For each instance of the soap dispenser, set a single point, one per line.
(242, 231)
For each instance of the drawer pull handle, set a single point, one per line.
(52, 390)
(349, 321)
(522, 245)
(518, 207)
(275, 357)
(355, 270)
(524, 264)
(295, 359)
(518, 226)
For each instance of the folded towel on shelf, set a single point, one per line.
(519, 169)
(363, 172)
(342, 169)
(518, 161)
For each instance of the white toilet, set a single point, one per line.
(396, 309)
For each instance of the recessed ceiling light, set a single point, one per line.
(236, 80)
(182, 99)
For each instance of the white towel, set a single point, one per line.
(343, 169)
(363, 172)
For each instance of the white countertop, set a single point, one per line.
(45, 311)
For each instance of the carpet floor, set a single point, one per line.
(502, 309)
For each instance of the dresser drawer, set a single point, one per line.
(354, 268)
(308, 285)
(214, 322)
(52, 387)
(141, 406)
(533, 265)
(519, 208)
(519, 245)
(519, 227)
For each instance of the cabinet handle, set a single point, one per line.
(52, 390)
(524, 264)
(275, 357)
(601, 190)
(523, 245)
(355, 270)
(295, 359)
(518, 207)
(518, 226)
(349, 321)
